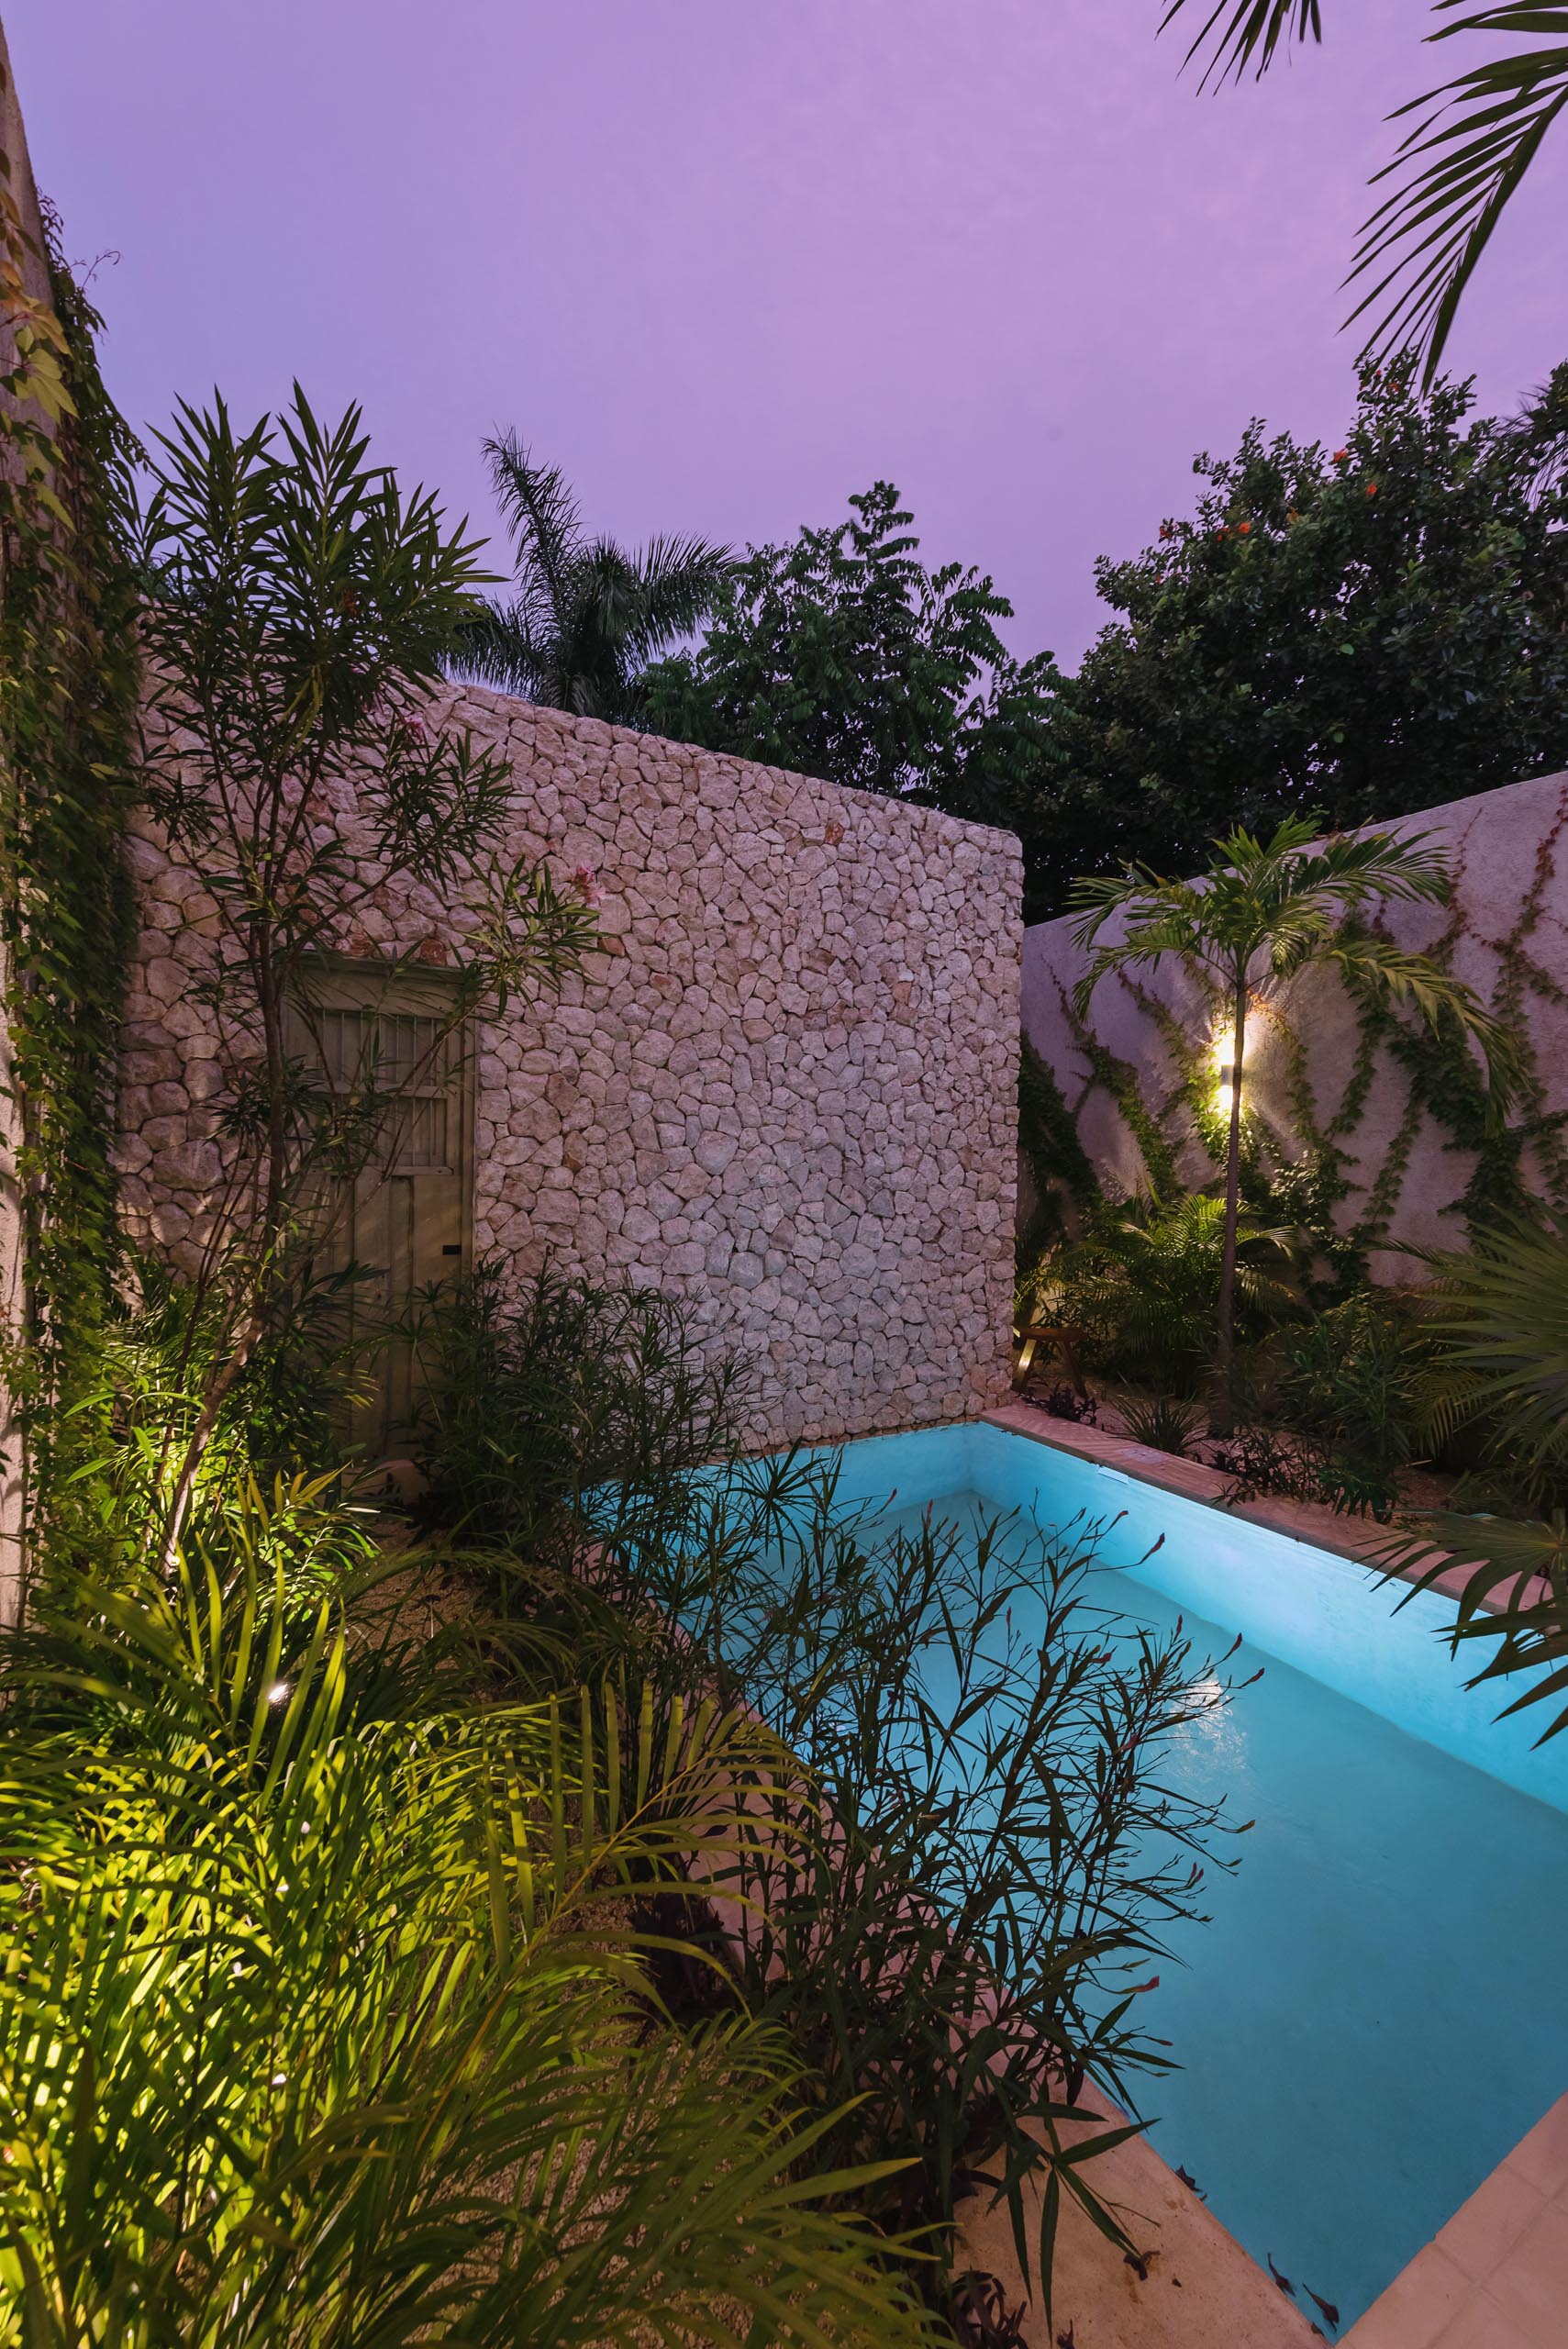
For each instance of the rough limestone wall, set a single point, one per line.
(785, 1091)
(1506, 934)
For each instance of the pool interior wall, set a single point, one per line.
(1330, 1616)
(1372, 2018)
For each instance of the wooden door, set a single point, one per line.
(405, 1223)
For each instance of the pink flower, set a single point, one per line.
(585, 881)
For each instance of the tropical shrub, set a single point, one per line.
(990, 1855)
(1165, 1422)
(317, 2022)
(298, 608)
(286, 1410)
(841, 655)
(543, 1401)
(1344, 1411)
(1498, 1324)
(1144, 1282)
(1261, 1460)
(1355, 1376)
(1064, 1402)
(979, 1852)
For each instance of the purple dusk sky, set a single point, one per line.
(728, 263)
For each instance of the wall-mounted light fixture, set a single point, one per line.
(1222, 1052)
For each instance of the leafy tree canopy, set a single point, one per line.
(841, 655)
(1369, 629)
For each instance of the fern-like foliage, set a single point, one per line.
(317, 2028)
(1500, 1322)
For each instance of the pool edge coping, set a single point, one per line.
(1194, 1480)
(1480, 2266)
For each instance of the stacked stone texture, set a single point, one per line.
(784, 1090)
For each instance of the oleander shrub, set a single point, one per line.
(979, 1858)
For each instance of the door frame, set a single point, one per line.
(384, 985)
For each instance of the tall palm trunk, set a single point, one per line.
(1227, 1350)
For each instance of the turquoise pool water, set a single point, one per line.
(1375, 2015)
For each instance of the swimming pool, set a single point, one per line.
(1373, 2016)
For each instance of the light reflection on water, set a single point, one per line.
(1318, 2015)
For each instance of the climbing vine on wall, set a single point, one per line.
(1302, 1172)
(1058, 1162)
(67, 689)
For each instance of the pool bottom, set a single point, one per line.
(1370, 2019)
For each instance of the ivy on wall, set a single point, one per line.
(1302, 1172)
(68, 677)
(1057, 1160)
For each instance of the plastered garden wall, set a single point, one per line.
(1395, 1123)
(785, 1090)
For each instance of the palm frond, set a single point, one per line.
(1242, 33)
(541, 513)
(1502, 1317)
(586, 615)
(1458, 165)
(499, 647)
(1521, 1568)
(1461, 162)
(678, 579)
(1499, 1313)
(315, 2027)
(1268, 908)
(1438, 1000)
(1408, 867)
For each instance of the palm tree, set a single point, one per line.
(1261, 913)
(586, 615)
(1474, 140)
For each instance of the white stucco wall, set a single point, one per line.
(1506, 934)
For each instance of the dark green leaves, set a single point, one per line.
(841, 655)
(1240, 34)
(1370, 628)
(1477, 137)
(316, 2026)
(1266, 909)
(286, 538)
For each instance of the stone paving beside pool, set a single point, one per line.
(1496, 2276)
